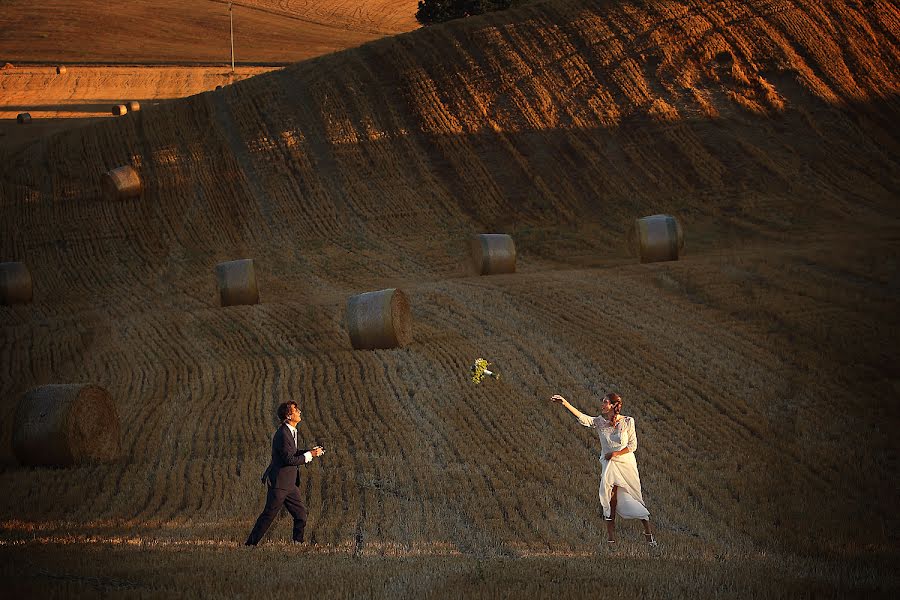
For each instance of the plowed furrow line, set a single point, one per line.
(483, 425)
(229, 328)
(600, 55)
(518, 49)
(112, 481)
(422, 410)
(410, 446)
(323, 151)
(706, 392)
(503, 66)
(886, 19)
(181, 216)
(377, 429)
(445, 128)
(146, 392)
(148, 439)
(470, 447)
(344, 436)
(565, 155)
(208, 218)
(411, 82)
(359, 122)
(209, 448)
(703, 162)
(175, 204)
(151, 240)
(292, 179)
(182, 406)
(862, 53)
(745, 345)
(224, 445)
(689, 383)
(227, 130)
(789, 32)
(396, 112)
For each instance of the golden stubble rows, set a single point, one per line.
(744, 364)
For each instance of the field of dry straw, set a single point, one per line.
(761, 368)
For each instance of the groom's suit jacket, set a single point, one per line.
(284, 470)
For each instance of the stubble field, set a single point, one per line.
(168, 31)
(153, 51)
(761, 368)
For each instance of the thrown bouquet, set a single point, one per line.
(480, 370)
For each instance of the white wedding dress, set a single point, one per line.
(622, 470)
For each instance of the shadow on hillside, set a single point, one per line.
(94, 106)
(14, 136)
(782, 170)
(777, 172)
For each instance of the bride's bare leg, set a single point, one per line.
(611, 523)
(648, 532)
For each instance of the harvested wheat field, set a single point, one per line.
(170, 31)
(128, 56)
(87, 93)
(761, 368)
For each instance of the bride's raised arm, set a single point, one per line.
(586, 420)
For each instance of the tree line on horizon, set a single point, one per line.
(439, 11)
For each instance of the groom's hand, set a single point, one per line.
(317, 451)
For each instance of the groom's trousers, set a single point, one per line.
(275, 499)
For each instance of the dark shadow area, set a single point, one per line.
(816, 176)
(101, 105)
(15, 136)
(226, 67)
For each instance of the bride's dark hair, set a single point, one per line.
(616, 401)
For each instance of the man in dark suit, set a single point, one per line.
(283, 476)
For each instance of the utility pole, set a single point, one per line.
(231, 18)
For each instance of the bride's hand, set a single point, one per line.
(557, 399)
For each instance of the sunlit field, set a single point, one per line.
(184, 48)
(761, 367)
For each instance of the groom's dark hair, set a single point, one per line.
(284, 408)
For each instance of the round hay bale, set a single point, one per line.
(134, 106)
(493, 253)
(61, 425)
(15, 284)
(379, 319)
(237, 282)
(121, 183)
(23, 118)
(658, 238)
(61, 69)
(119, 110)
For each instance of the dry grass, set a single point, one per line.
(265, 31)
(173, 61)
(761, 368)
(144, 567)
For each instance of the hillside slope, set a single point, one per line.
(761, 368)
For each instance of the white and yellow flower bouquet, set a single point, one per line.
(480, 371)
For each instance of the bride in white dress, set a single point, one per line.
(620, 485)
